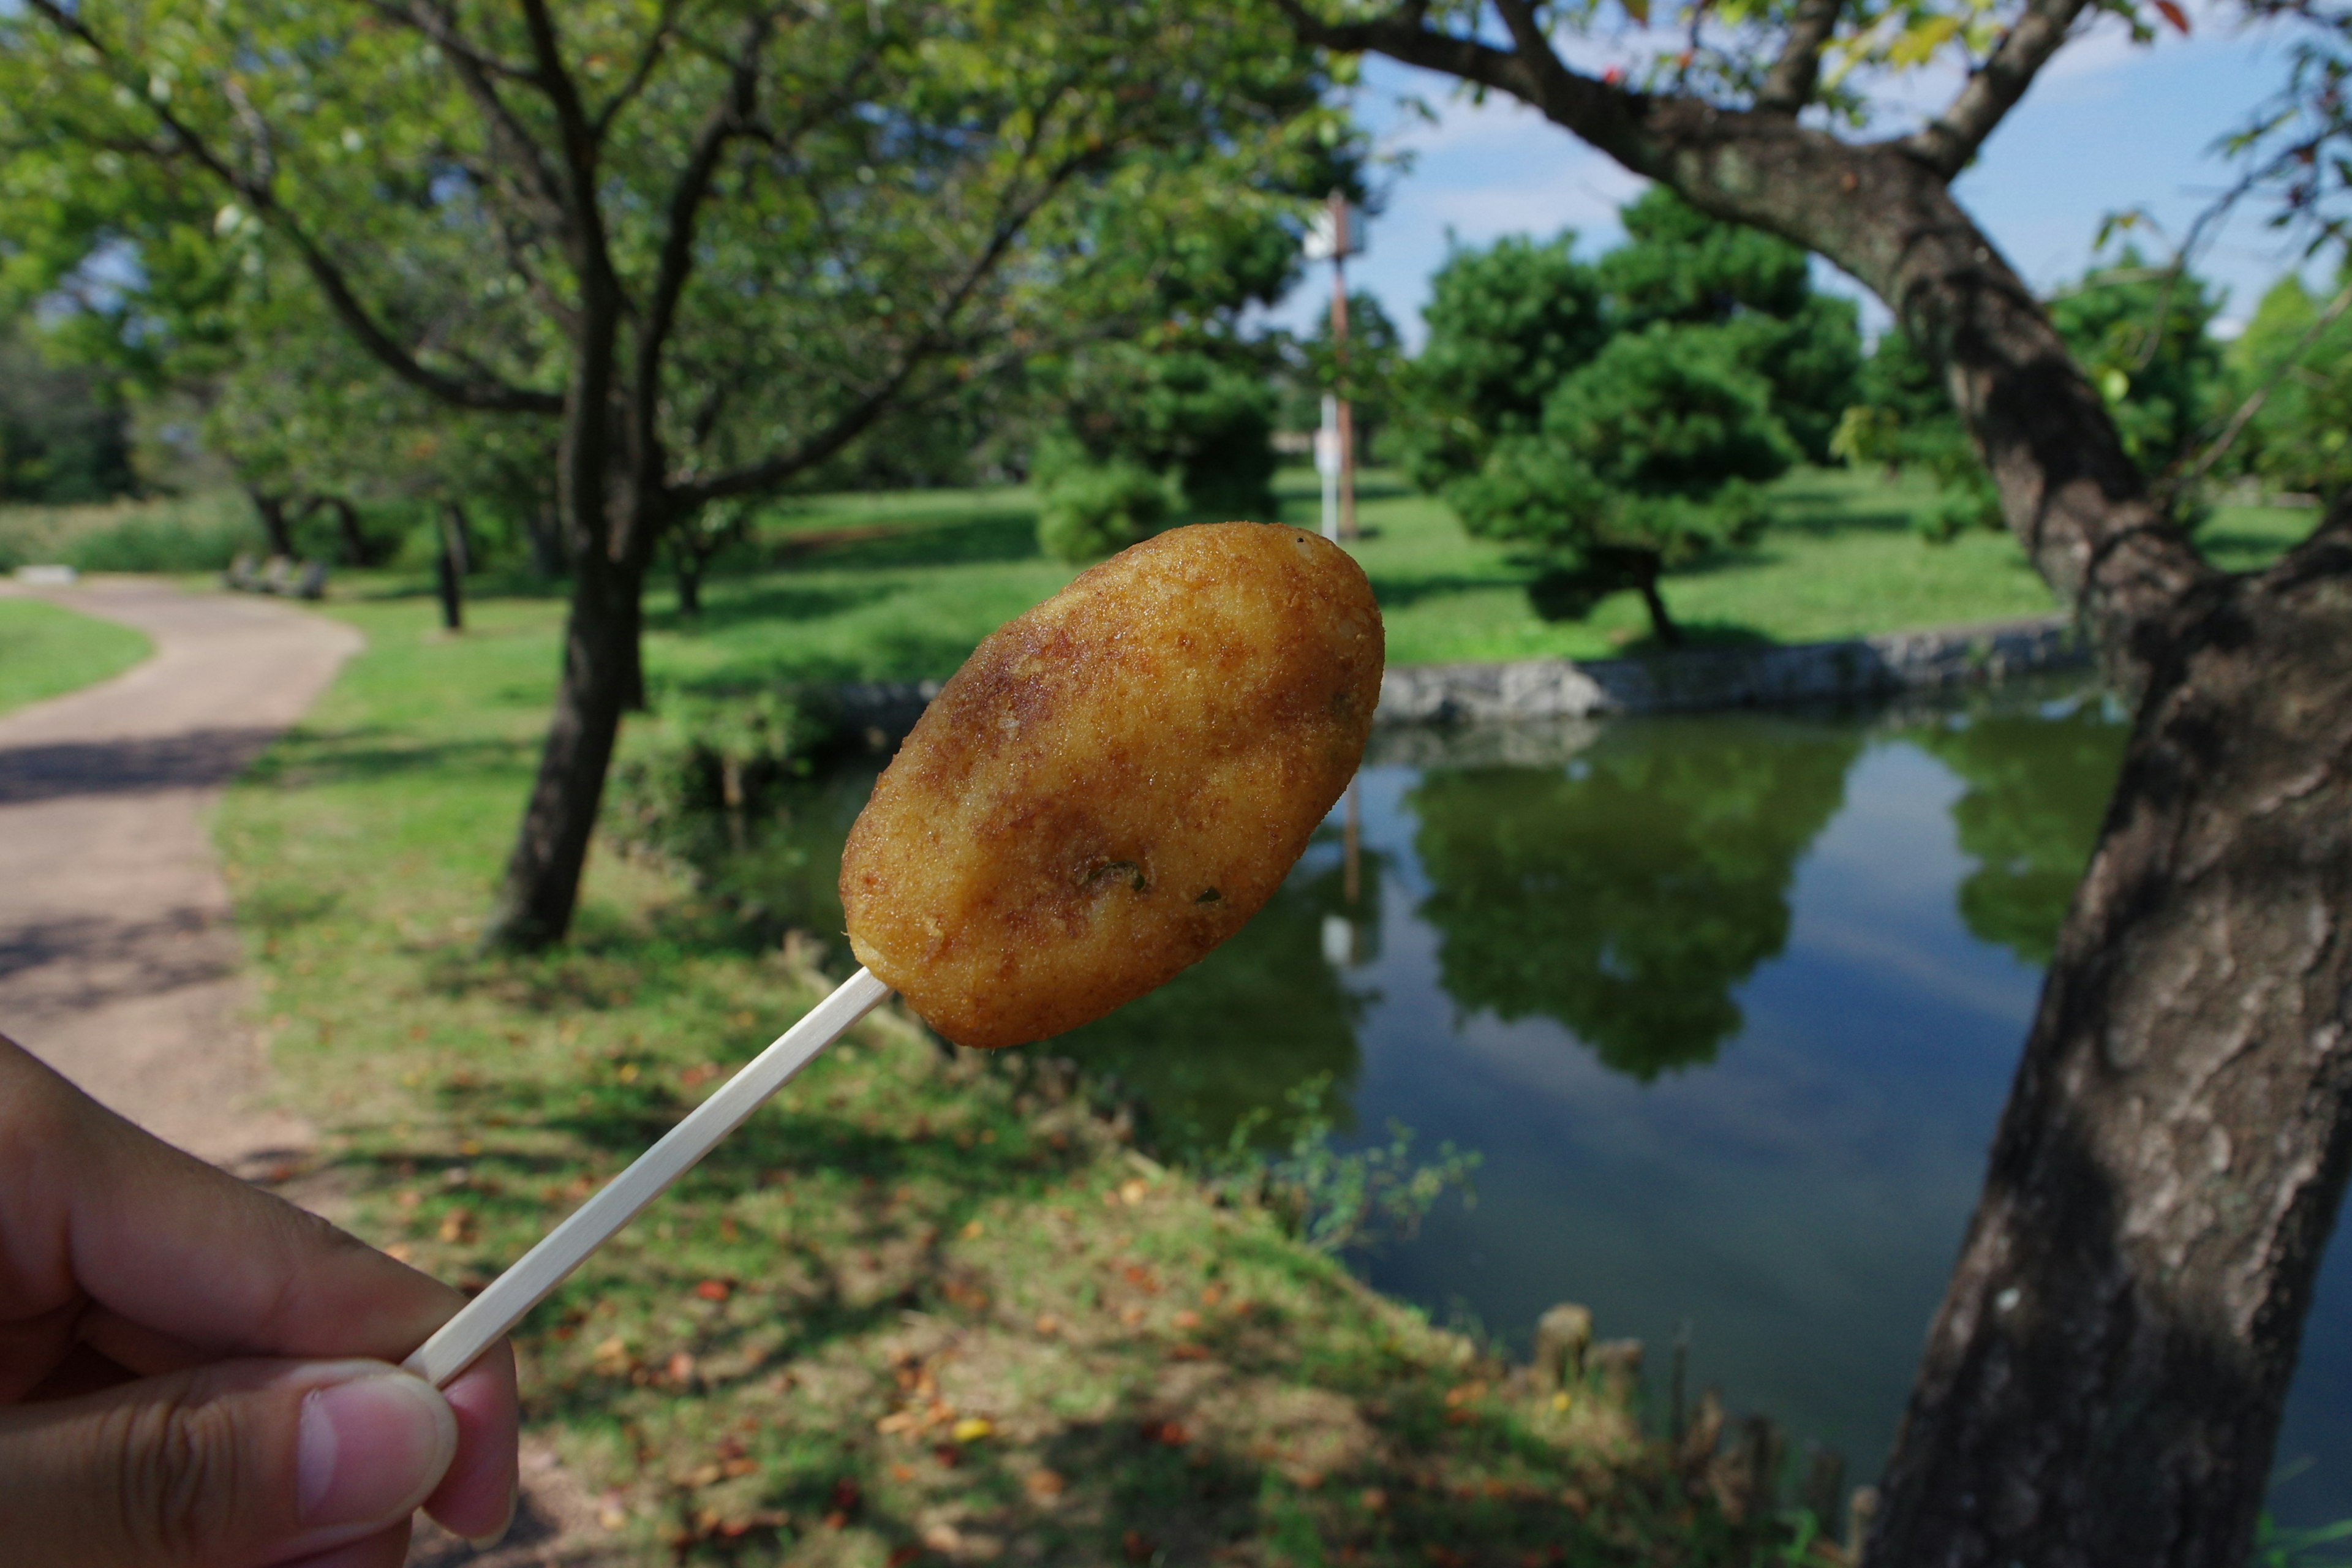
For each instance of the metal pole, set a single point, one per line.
(1339, 364)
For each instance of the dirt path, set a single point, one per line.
(118, 962)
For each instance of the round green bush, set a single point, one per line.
(1094, 510)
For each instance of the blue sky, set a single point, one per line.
(2109, 126)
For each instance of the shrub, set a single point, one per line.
(1094, 509)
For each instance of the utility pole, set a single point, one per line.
(1337, 234)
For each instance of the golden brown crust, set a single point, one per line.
(1115, 781)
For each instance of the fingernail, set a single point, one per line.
(371, 1448)
(484, 1543)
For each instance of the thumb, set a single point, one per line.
(222, 1466)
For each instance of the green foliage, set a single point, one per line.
(64, 436)
(1335, 1200)
(1618, 416)
(1905, 420)
(1096, 509)
(1506, 326)
(199, 533)
(2301, 440)
(1372, 379)
(1647, 458)
(1629, 894)
(2140, 333)
(2038, 789)
(721, 753)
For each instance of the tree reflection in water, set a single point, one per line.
(1626, 894)
(2038, 782)
(1264, 1015)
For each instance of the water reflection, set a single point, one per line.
(2038, 784)
(1730, 1003)
(1626, 894)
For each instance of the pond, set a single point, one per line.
(1729, 1004)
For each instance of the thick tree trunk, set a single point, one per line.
(2105, 1380)
(600, 670)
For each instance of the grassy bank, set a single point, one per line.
(46, 650)
(931, 1307)
(902, 585)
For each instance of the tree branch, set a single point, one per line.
(482, 393)
(1788, 86)
(854, 420)
(475, 71)
(1948, 143)
(647, 61)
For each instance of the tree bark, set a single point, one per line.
(2103, 1382)
(600, 668)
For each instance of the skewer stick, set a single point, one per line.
(480, 1322)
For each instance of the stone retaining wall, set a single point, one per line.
(1559, 688)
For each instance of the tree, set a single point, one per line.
(2103, 1381)
(63, 434)
(717, 241)
(1506, 325)
(1647, 458)
(2300, 433)
(1624, 435)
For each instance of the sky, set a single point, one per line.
(2109, 126)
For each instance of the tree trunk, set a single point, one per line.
(548, 556)
(600, 670)
(347, 532)
(2105, 1380)
(270, 508)
(1662, 625)
(450, 573)
(461, 529)
(688, 562)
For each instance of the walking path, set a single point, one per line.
(119, 962)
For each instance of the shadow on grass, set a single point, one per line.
(980, 537)
(309, 758)
(728, 605)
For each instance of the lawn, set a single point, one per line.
(47, 649)
(901, 585)
(930, 1307)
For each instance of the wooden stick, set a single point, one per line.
(482, 1320)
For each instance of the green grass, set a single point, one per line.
(931, 1305)
(47, 649)
(170, 533)
(939, 569)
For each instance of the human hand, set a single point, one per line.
(194, 1373)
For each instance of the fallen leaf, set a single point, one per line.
(457, 1225)
(1188, 1319)
(1374, 1499)
(714, 1289)
(1048, 1325)
(972, 1428)
(903, 1555)
(974, 1231)
(1188, 1350)
(1044, 1485)
(1133, 1191)
(680, 1368)
(1138, 1546)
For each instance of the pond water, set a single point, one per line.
(1729, 1004)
